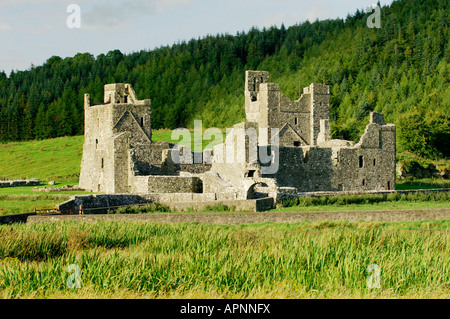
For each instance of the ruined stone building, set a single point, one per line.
(284, 147)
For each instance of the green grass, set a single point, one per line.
(14, 204)
(387, 205)
(374, 206)
(366, 202)
(53, 159)
(29, 190)
(150, 260)
(424, 183)
(15, 200)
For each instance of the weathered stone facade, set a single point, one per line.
(118, 153)
(285, 147)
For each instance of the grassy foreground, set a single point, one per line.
(150, 260)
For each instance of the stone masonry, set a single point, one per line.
(284, 147)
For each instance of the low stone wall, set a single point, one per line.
(182, 201)
(175, 184)
(195, 168)
(262, 217)
(164, 198)
(20, 182)
(250, 205)
(284, 194)
(15, 218)
(99, 204)
(57, 189)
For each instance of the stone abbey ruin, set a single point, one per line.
(283, 148)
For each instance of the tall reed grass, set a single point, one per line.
(308, 259)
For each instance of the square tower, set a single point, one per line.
(112, 129)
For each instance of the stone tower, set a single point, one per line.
(298, 122)
(109, 144)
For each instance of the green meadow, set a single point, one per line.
(301, 260)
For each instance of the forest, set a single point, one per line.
(401, 69)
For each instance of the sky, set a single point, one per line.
(31, 31)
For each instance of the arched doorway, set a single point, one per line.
(258, 190)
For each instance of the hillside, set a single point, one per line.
(401, 70)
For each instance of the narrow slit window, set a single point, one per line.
(142, 121)
(389, 186)
(102, 164)
(296, 120)
(363, 182)
(374, 161)
(361, 161)
(96, 143)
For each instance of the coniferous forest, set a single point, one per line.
(401, 69)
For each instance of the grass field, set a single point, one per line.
(301, 260)
(53, 159)
(367, 202)
(13, 204)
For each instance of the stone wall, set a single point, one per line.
(20, 182)
(174, 184)
(15, 218)
(250, 205)
(262, 217)
(166, 198)
(285, 194)
(99, 204)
